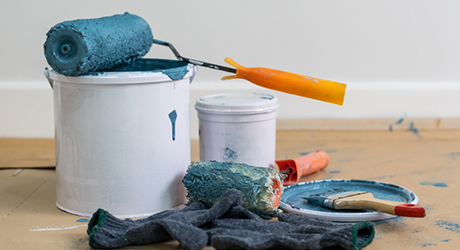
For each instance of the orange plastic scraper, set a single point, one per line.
(301, 85)
(307, 164)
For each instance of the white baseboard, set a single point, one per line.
(26, 108)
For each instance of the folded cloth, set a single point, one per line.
(227, 225)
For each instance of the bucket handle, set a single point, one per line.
(47, 75)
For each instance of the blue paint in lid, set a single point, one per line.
(292, 199)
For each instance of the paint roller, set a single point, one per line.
(261, 187)
(81, 46)
(77, 47)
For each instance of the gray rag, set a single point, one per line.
(227, 225)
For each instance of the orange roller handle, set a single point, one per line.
(301, 85)
(307, 164)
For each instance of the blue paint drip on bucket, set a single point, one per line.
(173, 117)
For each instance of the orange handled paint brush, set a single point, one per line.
(307, 164)
(301, 85)
(338, 199)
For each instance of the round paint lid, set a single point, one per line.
(237, 103)
(293, 201)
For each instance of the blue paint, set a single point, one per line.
(267, 97)
(335, 172)
(414, 130)
(396, 123)
(173, 117)
(448, 225)
(304, 153)
(175, 70)
(229, 155)
(453, 154)
(81, 46)
(436, 184)
(83, 220)
(399, 121)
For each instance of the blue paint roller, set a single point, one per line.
(80, 46)
(261, 187)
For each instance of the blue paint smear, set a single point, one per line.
(448, 225)
(229, 155)
(335, 172)
(396, 123)
(436, 184)
(453, 154)
(304, 153)
(175, 70)
(414, 130)
(172, 117)
(83, 220)
(266, 97)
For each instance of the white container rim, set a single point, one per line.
(130, 76)
(237, 103)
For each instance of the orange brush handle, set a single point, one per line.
(301, 85)
(302, 166)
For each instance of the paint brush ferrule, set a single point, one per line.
(329, 201)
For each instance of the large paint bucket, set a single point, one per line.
(123, 138)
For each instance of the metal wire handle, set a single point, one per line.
(193, 61)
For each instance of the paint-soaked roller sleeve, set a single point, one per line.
(261, 187)
(77, 47)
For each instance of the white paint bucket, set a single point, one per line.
(123, 138)
(238, 127)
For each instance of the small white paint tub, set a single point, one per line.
(123, 138)
(238, 127)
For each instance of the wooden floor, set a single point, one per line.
(426, 162)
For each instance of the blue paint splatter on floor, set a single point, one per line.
(432, 183)
(304, 153)
(335, 172)
(396, 123)
(83, 220)
(448, 225)
(173, 117)
(453, 154)
(414, 130)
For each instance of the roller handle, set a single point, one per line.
(307, 164)
(301, 85)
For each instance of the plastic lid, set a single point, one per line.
(237, 103)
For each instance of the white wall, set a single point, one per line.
(399, 58)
